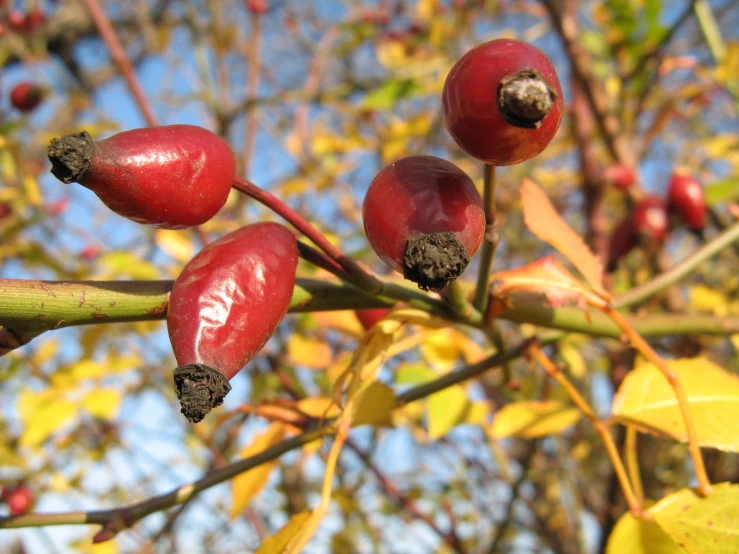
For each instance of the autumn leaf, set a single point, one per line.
(373, 405)
(646, 399)
(102, 403)
(277, 543)
(701, 525)
(531, 419)
(638, 536)
(246, 485)
(308, 352)
(543, 220)
(42, 414)
(175, 244)
(445, 410)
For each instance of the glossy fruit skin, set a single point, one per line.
(231, 296)
(650, 219)
(623, 240)
(20, 499)
(26, 96)
(686, 198)
(370, 316)
(170, 177)
(470, 103)
(620, 176)
(420, 195)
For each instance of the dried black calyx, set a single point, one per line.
(525, 98)
(434, 260)
(199, 389)
(70, 156)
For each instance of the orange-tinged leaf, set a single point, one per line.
(319, 407)
(374, 405)
(638, 536)
(309, 352)
(701, 525)
(341, 320)
(543, 220)
(277, 543)
(248, 484)
(646, 399)
(547, 277)
(531, 419)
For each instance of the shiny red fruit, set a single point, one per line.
(623, 240)
(169, 177)
(16, 21)
(620, 176)
(502, 102)
(685, 197)
(370, 316)
(223, 308)
(26, 96)
(257, 6)
(424, 218)
(20, 499)
(650, 218)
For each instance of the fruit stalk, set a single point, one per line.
(490, 241)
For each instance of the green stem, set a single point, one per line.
(649, 289)
(490, 243)
(710, 30)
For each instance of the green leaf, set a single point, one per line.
(701, 525)
(723, 191)
(446, 409)
(385, 96)
(374, 405)
(637, 536)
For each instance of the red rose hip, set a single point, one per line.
(26, 96)
(650, 219)
(502, 102)
(424, 218)
(170, 177)
(685, 197)
(223, 308)
(370, 316)
(20, 499)
(622, 241)
(620, 176)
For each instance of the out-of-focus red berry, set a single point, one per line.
(370, 316)
(34, 19)
(16, 21)
(620, 176)
(257, 6)
(90, 252)
(58, 207)
(20, 500)
(5, 210)
(622, 241)
(686, 199)
(650, 218)
(26, 96)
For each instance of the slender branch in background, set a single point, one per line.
(555, 373)
(608, 124)
(716, 43)
(405, 502)
(507, 520)
(664, 280)
(490, 242)
(632, 461)
(363, 279)
(254, 57)
(121, 59)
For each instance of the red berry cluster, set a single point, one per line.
(651, 218)
(423, 216)
(26, 96)
(229, 298)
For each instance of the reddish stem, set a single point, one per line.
(363, 279)
(119, 56)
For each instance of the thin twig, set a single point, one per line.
(121, 59)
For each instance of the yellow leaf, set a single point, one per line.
(374, 405)
(114, 265)
(647, 400)
(47, 350)
(441, 349)
(318, 407)
(309, 352)
(543, 220)
(392, 53)
(426, 9)
(8, 456)
(476, 412)
(531, 419)
(701, 525)
(107, 547)
(246, 485)
(175, 244)
(42, 414)
(31, 188)
(86, 369)
(102, 403)
(277, 543)
(704, 299)
(637, 536)
(341, 320)
(574, 360)
(446, 410)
